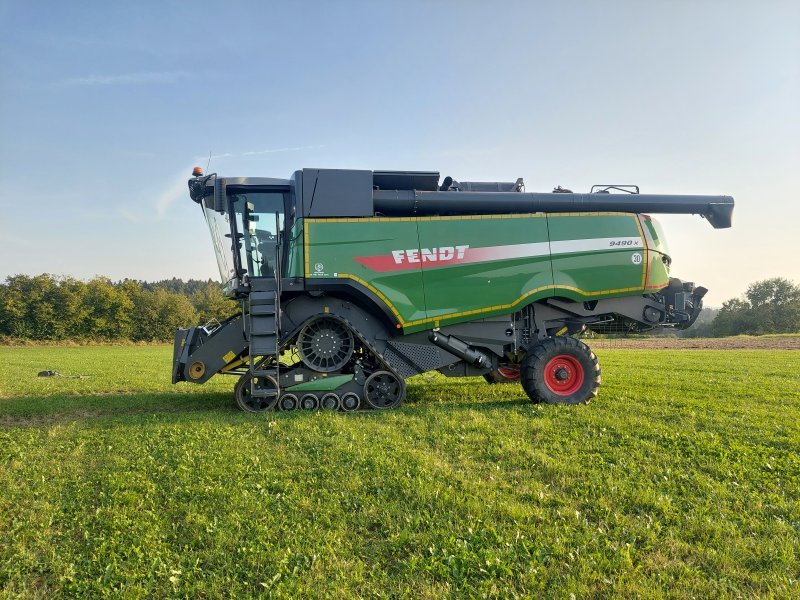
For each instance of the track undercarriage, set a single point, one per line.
(325, 365)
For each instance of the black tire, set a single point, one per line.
(254, 404)
(560, 370)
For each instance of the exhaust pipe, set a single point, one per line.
(460, 349)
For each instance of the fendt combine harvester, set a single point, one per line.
(351, 281)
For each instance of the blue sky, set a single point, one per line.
(106, 106)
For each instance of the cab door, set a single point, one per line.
(259, 224)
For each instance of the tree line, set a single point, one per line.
(768, 306)
(46, 307)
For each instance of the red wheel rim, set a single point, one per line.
(563, 375)
(510, 372)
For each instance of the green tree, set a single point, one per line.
(108, 311)
(775, 306)
(172, 311)
(28, 304)
(768, 306)
(210, 303)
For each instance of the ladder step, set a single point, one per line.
(258, 349)
(262, 331)
(263, 393)
(262, 298)
(264, 372)
(262, 309)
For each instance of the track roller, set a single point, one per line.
(309, 402)
(330, 401)
(350, 402)
(288, 402)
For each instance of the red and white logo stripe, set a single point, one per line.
(414, 258)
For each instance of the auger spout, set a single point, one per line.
(718, 210)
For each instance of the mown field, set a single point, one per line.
(681, 480)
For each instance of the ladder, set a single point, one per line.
(264, 312)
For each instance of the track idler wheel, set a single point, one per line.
(245, 399)
(560, 370)
(384, 390)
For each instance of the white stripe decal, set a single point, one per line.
(593, 245)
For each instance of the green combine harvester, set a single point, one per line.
(351, 281)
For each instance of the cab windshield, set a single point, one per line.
(258, 219)
(220, 230)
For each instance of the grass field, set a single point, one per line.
(682, 479)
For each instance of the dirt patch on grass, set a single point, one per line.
(729, 343)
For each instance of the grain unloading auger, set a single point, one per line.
(351, 281)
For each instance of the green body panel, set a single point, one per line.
(610, 262)
(323, 384)
(464, 288)
(333, 243)
(433, 271)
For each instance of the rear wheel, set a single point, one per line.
(560, 370)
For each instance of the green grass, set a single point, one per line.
(682, 479)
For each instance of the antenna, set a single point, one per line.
(208, 164)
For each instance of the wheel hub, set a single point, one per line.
(563, 375)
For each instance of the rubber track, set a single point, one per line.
(364, 405)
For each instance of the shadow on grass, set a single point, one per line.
(36, 411)
(47, 410)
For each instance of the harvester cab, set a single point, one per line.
(351, 281)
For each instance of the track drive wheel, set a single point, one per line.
(384, 390)
(560, 370)
(255, 404)
(325, 344)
